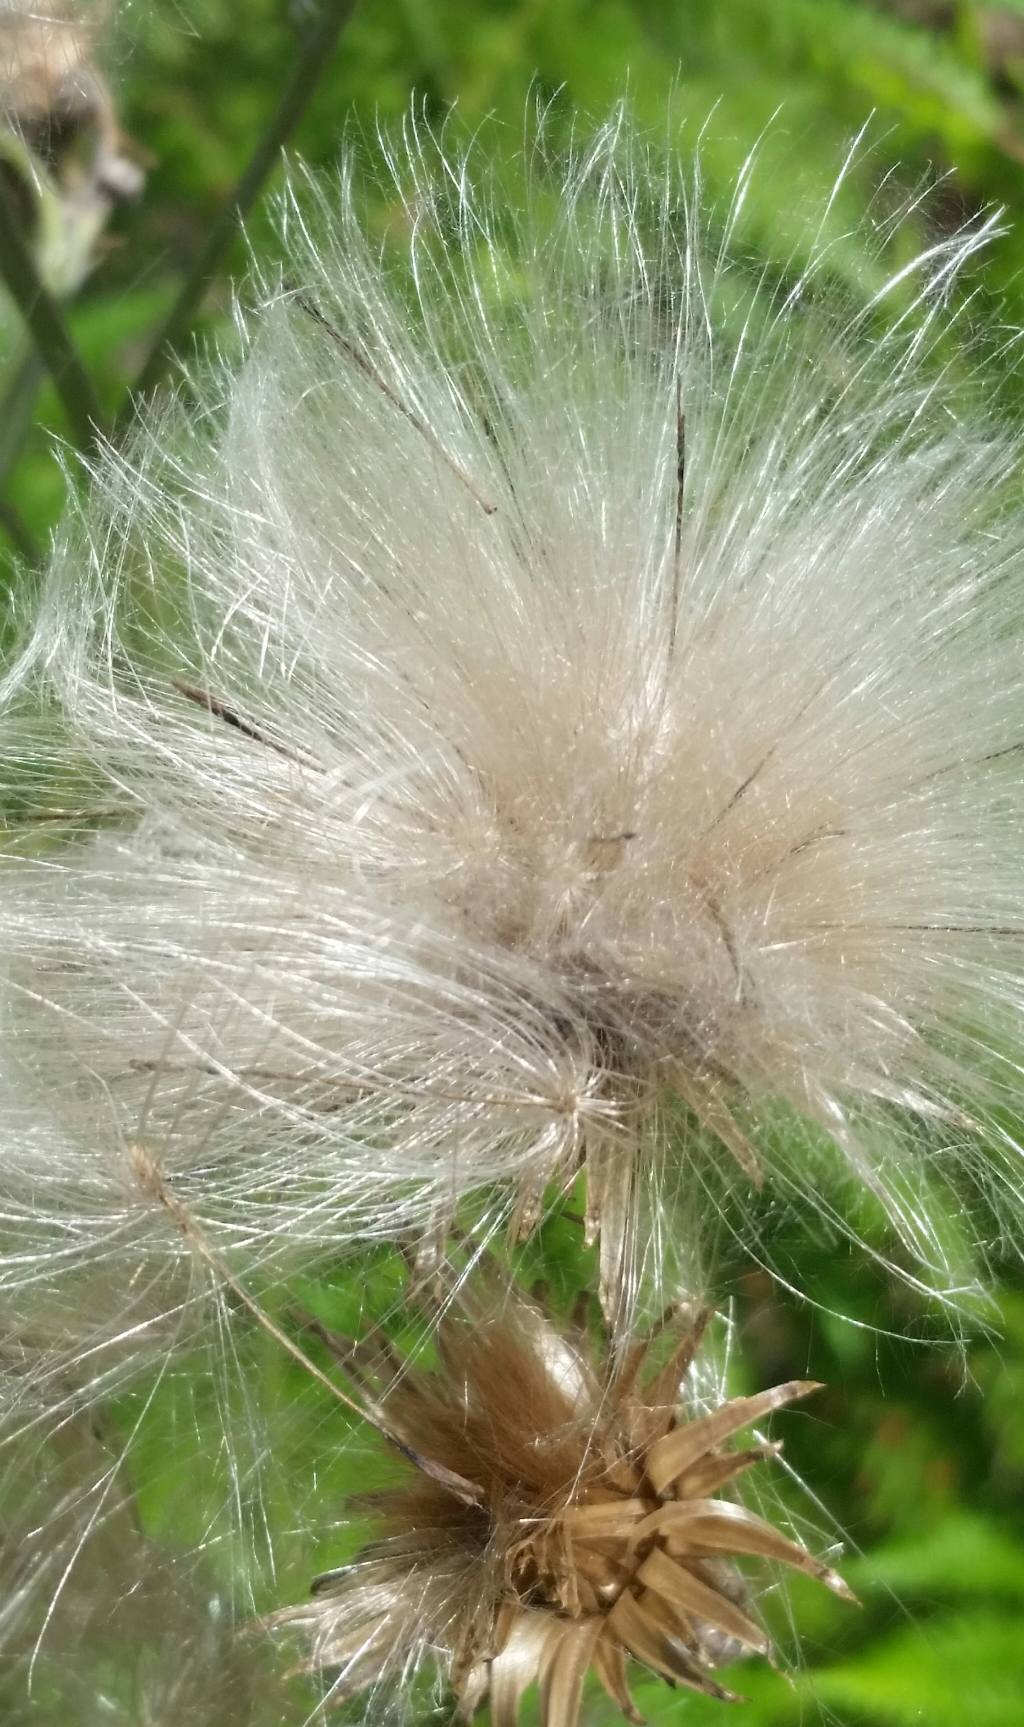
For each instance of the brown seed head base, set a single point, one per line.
(588, 1531)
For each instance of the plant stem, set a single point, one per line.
(45, 321)
(22, 384)
(313, 59)
(18, 533)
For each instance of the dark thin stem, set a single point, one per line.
(18, 534)
(45, 321)
(221, 711)
(313, 59)
(370, 371)
(24, 380)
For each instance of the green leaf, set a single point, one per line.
(961, 1671)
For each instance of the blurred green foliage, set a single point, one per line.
(916, 1449)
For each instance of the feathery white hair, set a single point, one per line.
(554, 703)
(100, 1625)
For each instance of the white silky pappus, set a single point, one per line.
(554, 702)
(101, 1625)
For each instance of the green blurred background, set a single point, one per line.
(916, 1450)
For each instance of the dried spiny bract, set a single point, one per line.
(556, 692)
(587, 1531)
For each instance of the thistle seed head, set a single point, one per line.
(557, 704)
(595, 1534)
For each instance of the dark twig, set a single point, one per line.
(45, 322)
(313, 59)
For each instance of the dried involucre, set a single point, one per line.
(588, 1529)
(554, 703)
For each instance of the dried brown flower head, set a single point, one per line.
(46, 66)
(586, 1529)
(57, 106)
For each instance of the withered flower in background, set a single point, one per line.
(64, 160)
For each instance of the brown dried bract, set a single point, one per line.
(595, 1535)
